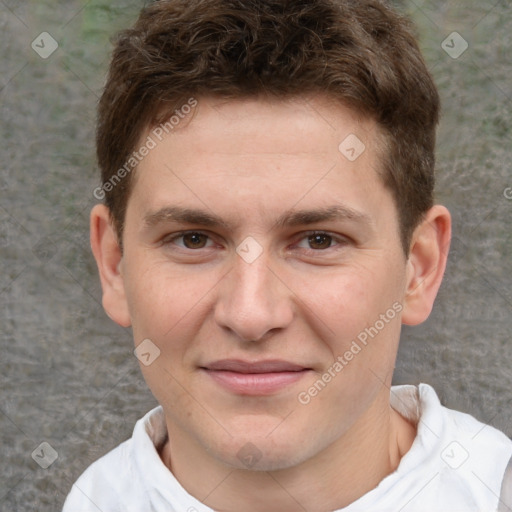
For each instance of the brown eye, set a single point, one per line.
(320, 241)
(194, 240)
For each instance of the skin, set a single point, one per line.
(303, 300)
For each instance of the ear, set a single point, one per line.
(426, 264)
(108, 255)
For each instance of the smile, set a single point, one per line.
(256, 379)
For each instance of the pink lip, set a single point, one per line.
(254, 378)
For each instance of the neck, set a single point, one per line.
(334, 478)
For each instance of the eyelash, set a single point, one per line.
(339, 239)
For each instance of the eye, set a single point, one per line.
(320, 241)
(191, 239)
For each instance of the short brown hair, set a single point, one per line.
(360, 52)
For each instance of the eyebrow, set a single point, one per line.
(288, 219)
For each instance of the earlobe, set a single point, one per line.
(108, 256)
(426, 264)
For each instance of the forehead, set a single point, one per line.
(269, 149)
(296, 126)
(250, 125)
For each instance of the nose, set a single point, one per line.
(253, 299)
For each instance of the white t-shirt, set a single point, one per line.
(456, 464)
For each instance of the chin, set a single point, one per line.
(262, 460)
(254, 451)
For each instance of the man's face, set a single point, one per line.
(282, 301)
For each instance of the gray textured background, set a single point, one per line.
(68, 375)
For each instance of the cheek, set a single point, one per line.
(160, 296)
(346, 308)
(349, 299)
